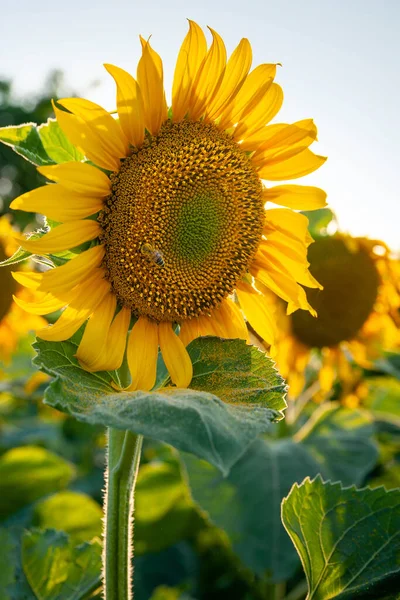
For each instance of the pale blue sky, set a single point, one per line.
(340, 66)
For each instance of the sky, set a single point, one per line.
(340, 66)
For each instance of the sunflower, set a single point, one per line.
(358, 313)
(173, 205)
(14, 322)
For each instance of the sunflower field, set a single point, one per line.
(199, 371)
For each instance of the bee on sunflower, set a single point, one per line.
(15, 323)
(172, 202)
(358, 314)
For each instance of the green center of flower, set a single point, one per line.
(350, 280)
(183, 222)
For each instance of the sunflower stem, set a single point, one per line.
(123, 458)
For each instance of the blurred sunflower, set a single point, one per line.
(358, 313)
(14, 322)
(174, 211)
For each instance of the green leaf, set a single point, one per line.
(25, 141)
(336, 442)
(319, 220)
(18, 256)
(172, 518)
(56, 144)
(56, 570)
(191, 420)
(348, 539)
(383, 398)
(78, 515)
(340, 440)
(13, 583)
(29, 473)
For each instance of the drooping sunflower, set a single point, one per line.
(14, 322)
(173, 203)
(358, 313)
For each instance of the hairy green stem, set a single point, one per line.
(124, 449)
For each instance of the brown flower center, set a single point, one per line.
(182, 223)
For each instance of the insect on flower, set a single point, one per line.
(152, 254)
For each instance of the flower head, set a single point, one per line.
(358, 312)
(172, 203)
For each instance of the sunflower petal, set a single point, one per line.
(235, 74)
(150, 79)
(297, 197)
(288, 222)
(101, 122)
(78, 177)
(175, 356)
(190, 57)
(297, 166)
(129, 105)
(257, 311)
(142, 353)
(231, 320)
(63, 237)
(261, 109)
(64, 278)
(285, 141)
(260, 77)
(86, 139)
(85, 300)
(28, 280)
(94, 340)
(46, 305)
(208, 78)
(57, 203)
(114, 351)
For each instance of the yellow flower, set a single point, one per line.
(14, 322)
(358, 313)
(175, 211)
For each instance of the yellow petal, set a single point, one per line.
(79, 177)
(257, 311)
(284, 286)
(298, 197)
(288, 222)
(94, 339)
(28, 280)
(302, 164)
(64, 278)
(82, 135)
(142, 353)
(46, 305)
(260, 77)
(63, 237)
(261, 109)
(231, 320)
(150, 79)
(175, 356)
(101, 122)
(129, 105)
(235, 74)
(84, 301)
(114, 351)
(190, 57)
(189, 330)
(208, 78)
(285, 140)
(57, 203)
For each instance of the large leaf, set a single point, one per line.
(25, 140)
(192, 420)
(13, 583)
(56, 144)
(28, 473)
(77, 514)
(337, 441)
(56, 570)
(348, 539)
(383, 398)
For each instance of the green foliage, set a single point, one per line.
(25, 141)
(348, 539)
(79, 515)
(13, 582)
(319, 220)
(56, 144)
(383, 398)
(255, 486)
(58, 570)
(28, 473)
(190, 419)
